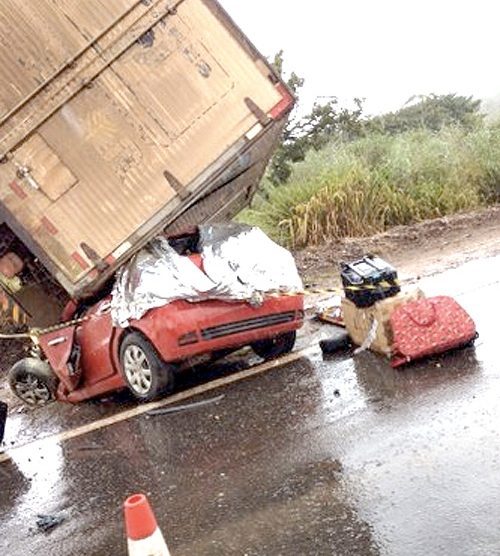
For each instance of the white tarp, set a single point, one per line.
(240, 263)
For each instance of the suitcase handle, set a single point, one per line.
(351, 267)
(426, 319)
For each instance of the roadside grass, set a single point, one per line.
(367, 186)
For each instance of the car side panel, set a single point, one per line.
(57, 347)
(96, 338)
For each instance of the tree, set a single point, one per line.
(431, 112)
(313, 131)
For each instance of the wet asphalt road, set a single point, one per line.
(319, 457)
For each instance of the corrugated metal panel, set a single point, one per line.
(35, 40)
(38, 38)
(131, 149)
(78, 71)
(92, 17)
(235, 188)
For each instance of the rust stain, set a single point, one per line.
(18, 190)
(47, 224)
(80, 260)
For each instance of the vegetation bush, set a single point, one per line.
(365, 186)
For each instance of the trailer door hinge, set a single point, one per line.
(261, 116)
(176, 185)
(92, 255)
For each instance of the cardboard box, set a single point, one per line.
(358, 322)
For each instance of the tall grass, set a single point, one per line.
(364, 187)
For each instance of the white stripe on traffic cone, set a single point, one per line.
(144, 538)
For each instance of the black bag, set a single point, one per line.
(375, 279)
(341, 342)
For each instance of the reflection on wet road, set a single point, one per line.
(322, 456)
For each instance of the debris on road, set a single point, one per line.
(184, 407)
(332, 315)
(401, 325)
(46, 523)
(339, 343)
(370, 338)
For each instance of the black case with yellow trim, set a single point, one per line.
(368, 280)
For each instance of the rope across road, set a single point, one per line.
(34, 333)
(145, 408)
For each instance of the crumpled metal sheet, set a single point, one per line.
(240, 263)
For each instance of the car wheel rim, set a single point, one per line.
(137, 370)
(32, 390)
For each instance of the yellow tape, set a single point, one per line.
(336, 290)
(12, 309)
(56, 327)
(15, 313)
(18, 315)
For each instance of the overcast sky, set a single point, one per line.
(382, 50)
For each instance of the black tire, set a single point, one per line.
(33, 381)
(270, 348)
(147, 376)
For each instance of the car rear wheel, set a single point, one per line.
(33, 381)
(146, 375)
(274, 347)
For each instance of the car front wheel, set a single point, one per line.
(33, 381)
(146, 375)
(271, 348)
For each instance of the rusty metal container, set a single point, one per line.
(121, 118)
(11, 265)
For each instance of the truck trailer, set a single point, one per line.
(121, 119)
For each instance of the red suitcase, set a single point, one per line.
(428, 327)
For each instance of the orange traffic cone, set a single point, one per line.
(144, 538)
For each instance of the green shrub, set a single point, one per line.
(363, 187)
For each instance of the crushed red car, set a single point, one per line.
(194, 297)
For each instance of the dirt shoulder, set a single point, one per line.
(416, 251)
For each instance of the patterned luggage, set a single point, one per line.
(428, 327)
